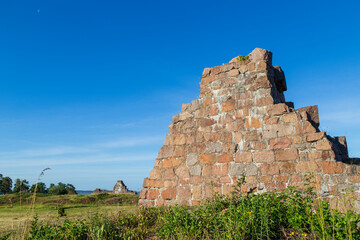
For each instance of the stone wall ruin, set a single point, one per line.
(242, 125)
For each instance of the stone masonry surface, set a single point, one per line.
(241, 125)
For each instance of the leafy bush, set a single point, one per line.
(291, 214)
(61, 212)
(242, 58)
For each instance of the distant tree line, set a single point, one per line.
(6, 187)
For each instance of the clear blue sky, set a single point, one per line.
(88, 88)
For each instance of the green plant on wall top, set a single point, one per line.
(242, 58)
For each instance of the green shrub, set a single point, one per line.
(242, 58)
(293, 214)
(61, 212)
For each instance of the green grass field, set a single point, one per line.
(16, 212)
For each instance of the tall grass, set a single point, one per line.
(292, 214)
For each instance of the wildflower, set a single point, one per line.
(249, 213)
(292, 233)
(304, 234)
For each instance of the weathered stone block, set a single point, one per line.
(155, 174)
(225, 158)
(278, 143)
(183, 193)
(290, 118)
(331, 167)
(168, 194)
(221, 169)
(287, 167)
(253, 123)
(323, 146)
(182, 172)
(313, 137)
(243, 157)
(229, 105)
(195, 170)
(286, 155)
(264, 157)
(269, 169)
(234, 73)
(277, 109)
(152, 194)
(207, 158)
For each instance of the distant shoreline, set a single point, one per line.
(84, 192)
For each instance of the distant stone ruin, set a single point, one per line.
(119, 187)
(241, 125)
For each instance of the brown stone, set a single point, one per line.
(261, 66)
(207, 171)
(183, 193)
(221, 169)
(278, 143)
(234, 73)
(286, 155)
(331, 167)
(229, 105)
(227, 189)
(277, 109)
(290, 118)
(169, 174)
(257, 145)
(214, 110)
(304, 127)
(196, 179)
(206, 72)
(168, 194)
(312, 113)
(226, 137)
(155, 174)
(251, 66)
(158, 184)
(142, 193)
(207, 158)
(225, 158)
(225, 179)
(265, 179)
(264, 157)
(179, 151)
(148, 183)
(152, 194)
(264, 101)
(271, 120)
(252, 136)
(253, 123)
(287, 167)
(269, 169)
(178, 139)
(310, 166)
(283, 179)
(243, 69)
(323, 146)
(182, 172)
(208, 101)
(205, 122)
(243, 157)
(355, 179)
(196, 192)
